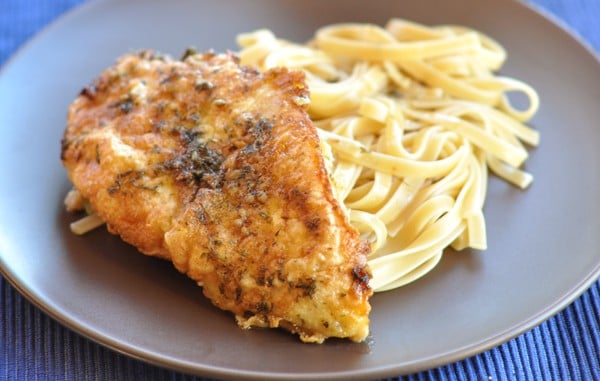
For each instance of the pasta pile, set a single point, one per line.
(410, 117)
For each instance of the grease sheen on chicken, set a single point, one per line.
(217, 168)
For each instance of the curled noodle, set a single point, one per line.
(411, 118)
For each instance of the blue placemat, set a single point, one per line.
(35, 347)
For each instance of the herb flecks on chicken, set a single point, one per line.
(217, 168)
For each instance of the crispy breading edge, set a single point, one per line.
(294, 86)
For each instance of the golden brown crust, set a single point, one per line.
(217, 167)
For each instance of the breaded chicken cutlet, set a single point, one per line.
(217, 168)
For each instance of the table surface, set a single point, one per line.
(35, 347)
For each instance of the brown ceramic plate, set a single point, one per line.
(544, 242)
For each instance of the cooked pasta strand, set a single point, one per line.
(410, 117)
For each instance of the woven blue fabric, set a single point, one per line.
(35, 347)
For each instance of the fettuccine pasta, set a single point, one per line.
(411, 118)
